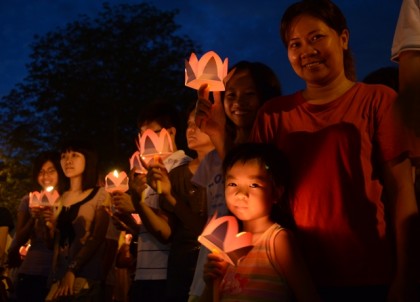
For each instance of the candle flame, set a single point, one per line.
(49, 189)
(115, 173)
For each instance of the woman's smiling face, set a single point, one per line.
(241, 100)
(315, 50)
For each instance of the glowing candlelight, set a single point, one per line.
(221, 236)
(116, 181)
(45, 198)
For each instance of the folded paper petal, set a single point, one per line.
(208, 70)
(115, 181)
(135, 163)
(221, 235)
(151, 144)
(43, 198)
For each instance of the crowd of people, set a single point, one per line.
(322, 179)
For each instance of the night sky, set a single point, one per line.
(236, 29)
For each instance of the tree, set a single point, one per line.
(90, 79)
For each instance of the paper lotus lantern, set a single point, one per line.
(115, 181)
(45, 198)
(152, 144)
(208, 70)
(221, 236)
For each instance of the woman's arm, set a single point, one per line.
(291, 264)
(24, 225)
(4, 231)
(399, 186)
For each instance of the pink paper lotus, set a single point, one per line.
(116, 181)
(136, 163)
(44, 198)
(208, 70)
(221, 236)
(152, 144)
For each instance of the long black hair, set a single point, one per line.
(90, 173)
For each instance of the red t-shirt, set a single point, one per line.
(336, 151)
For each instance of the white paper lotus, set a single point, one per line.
(152, 144)
(209, 69)
(116, 181)
(44, 198)
(221, 236)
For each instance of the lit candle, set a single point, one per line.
(115, 181)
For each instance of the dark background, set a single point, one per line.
(237, 29)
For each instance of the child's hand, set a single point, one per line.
(157, 172)
(215, 268)
(137, 182)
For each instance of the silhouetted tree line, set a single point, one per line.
(90, 79)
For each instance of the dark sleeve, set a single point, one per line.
(190, 210)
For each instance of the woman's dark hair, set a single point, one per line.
(327, 12)
(90, 173)
(266, 81)
(54, 158)
(277, 167)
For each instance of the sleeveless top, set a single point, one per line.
(256, 278)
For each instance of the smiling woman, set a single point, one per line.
(342, 139)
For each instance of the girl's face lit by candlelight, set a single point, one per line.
(72, 163)
(249, 191)
(48, 175)
(241, 100)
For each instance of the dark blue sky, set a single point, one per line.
(236, 29)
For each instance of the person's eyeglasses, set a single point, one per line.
(48, 172)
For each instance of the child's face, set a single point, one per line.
(196, 139)
(249, 191)
(241, 100)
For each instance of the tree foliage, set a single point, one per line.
(90, 79)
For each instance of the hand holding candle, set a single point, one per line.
(152, 145)
(158, 182)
